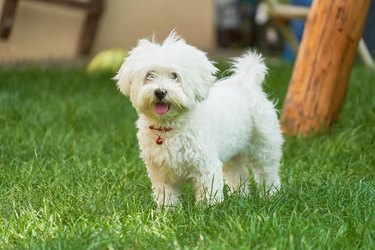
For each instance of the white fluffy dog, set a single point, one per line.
(191, 128)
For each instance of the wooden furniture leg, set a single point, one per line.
(95, 10)
(7, 17)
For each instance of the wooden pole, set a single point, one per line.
(323, 65)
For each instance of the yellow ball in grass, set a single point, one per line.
(107, 60)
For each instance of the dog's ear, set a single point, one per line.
(127, 72)
(199, 74)
(123, 79)
(207, 72)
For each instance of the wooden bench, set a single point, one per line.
(93, 8)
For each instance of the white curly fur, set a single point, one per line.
(218, 128)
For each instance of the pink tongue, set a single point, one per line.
(161, 108)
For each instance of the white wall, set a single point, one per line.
(49, 31)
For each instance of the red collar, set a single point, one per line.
(160, 140)
(161, 129)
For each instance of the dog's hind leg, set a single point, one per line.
(266, 156)
(236, 175)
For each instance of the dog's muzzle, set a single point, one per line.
(160, 93)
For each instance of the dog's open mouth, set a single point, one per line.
(161, 108)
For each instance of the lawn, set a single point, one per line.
(71, 176)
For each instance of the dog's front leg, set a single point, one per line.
(165, 193)
(209, 186)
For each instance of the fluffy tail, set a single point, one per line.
(251, 67)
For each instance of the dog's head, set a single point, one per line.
(167, 79)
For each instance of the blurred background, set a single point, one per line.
(34, 30)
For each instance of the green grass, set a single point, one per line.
(71, 176)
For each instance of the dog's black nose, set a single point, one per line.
(160, 93)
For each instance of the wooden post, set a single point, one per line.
(323, 65)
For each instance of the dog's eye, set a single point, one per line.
(150, 75)
(173, 76)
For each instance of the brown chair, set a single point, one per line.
(94, 9)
